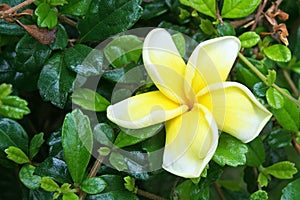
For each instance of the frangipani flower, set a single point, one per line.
(193, 100)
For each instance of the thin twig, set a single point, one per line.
(255, 171)
(149, 195)
(290, 82)
(9, 12)
(296, 144)
(219, 17)
(259, 12)
(67, 20)
(219, 191)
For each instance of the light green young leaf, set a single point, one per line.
(48, 184)
(35, 144)
(77, 142)
(271, 77)
(278, 53)
(282, 170)
(5, 90)
(259, 195)
(93, 185)
(123, 50)
(207, 7)
(17, 155)
(28, 179)
(263, 180)
(207, 26)
(70, 196)
(230, 151)
(291, 191)
(13, 107)
(238, 8)
(249, 39)
(89, 100)
(130, 184)
(58, 2)
(180, 43)
(46, 16)
(274, 98)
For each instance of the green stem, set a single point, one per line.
(264, 79)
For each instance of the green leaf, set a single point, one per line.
(154, 9)
(282, 170)
(55, 81)
(77, 141)
(260, 89)
(278, 53)
(259, 195)
(46, 16)
(89, 100)
(249, 39)
(84, 60)
(113, 17)
(28, 179)
(61, 40)
(256, 153)
(274, 98)
(238, 8)
(104, 134)
(117, 161)
(230, 151)
(291, 191)
(5, 90)
(123, 50)
(55, 169)
(30, 54)
(12, 134)
(114, 195)
(263, 180)
(17, 155)
(35, 144)
(58, 2)
(207, 7)
(279, 138)
(188, 190)
(271, 77)
(93, 185)
(225, 29)
(180, 43)
(70, 196)
(287, 116)
(207, 26)
(7, 28)
(76, 7)
(48, 184)
(13, 107)
(129, 137)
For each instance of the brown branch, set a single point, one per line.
(258, 14)
(219, 191)
(149, 195)
(9, 12)
(290, 82)
(219, 17)
(67, 20)
(296, 144)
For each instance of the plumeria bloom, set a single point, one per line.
(193, 100)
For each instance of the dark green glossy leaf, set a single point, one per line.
(104, 134)
(288, 115)
(207, 27)
(246, 76)
(40, 194)
(76, 7)
(30, 54)
(28, 179)
(17, 155)
(278, 53)
(77, 141)
(48, 184)
(13, 107)
(7, 73)
(238, 8)
(93, 185)
(55, 81)
(54, 168)
(259, 195)
(7, 28)
(291, 191)
(207, 7)
(154, 9)
(188, 190)
(35, 144)
(113, 17)
(260, 89)
(46, 16)
(12, 134)
(230, 151)
(225, 29)
(114, 75)
(26, 81)
(279, 138)
(282, 170)
(256, 153)
(274, 98)
(84, 60)
(249, 39)
(89, 100)
(123, 50)
(117, 161)
(129, 137)
(61, 40)
(55, 145)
